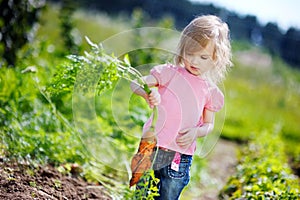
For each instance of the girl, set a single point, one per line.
(186, 98)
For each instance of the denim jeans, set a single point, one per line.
(171, 182)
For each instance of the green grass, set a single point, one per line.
(261, 100)
(257, 99)
(97, 26)
(48, 29)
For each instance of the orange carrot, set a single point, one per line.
(141, 161)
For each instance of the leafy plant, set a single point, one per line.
(147, 188)
(30, 128)
(263, 172)
(97, 72)
(95, 68)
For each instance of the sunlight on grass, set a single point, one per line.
(99, 27)
(257, 99)
(48, 29)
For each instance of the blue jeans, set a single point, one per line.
(171, 182)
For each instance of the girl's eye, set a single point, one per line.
(204, 57)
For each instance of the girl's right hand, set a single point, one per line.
(153, 98)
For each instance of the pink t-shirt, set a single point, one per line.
(184, 96)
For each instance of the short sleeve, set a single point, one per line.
(163, 73)
(215, 100)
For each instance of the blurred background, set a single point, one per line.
(260, 120)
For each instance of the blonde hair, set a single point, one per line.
(197, 34)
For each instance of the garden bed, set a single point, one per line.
(21, 181)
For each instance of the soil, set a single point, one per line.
(221, 164)
(22, 182)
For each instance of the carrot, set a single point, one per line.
(141, 161)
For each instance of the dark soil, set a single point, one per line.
(21, 182)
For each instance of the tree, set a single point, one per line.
(67, 26)
(16, 21)
(272, 38)
(290, 45)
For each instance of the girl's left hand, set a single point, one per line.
(153, 98)
(187, 137)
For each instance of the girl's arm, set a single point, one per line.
(208, 123)
(188, 136)
(153, 98)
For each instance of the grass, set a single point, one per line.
(259, 99)
(97, 26)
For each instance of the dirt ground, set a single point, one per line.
(221, 165)
(21, 182)
(222, 162)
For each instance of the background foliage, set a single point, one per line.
(16, 21)
(263, 172)
(277, 41)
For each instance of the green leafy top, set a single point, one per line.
(95, 70)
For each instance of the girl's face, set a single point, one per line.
(199, 62)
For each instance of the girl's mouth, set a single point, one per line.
(194, 68)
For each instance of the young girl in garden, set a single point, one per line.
(186, 97)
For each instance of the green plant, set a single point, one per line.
(32, 183)
(94, 69)
(148, 188)
(263, 172)
(148, 184)
(32, 129)
(97, 72)
(57, 183)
